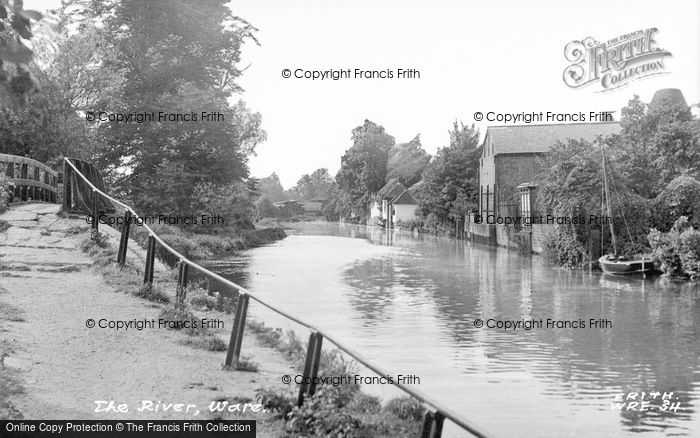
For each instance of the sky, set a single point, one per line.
(501, 56)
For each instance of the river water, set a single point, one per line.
(409, 304)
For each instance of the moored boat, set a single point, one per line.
(611, 264)
(614, 263)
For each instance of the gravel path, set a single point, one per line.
(66, 366)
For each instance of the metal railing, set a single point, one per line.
(435, 412)
(30, 179)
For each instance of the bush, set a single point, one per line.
(678, 250)
(561, 248)
(5, 195)
(203, 302)
(405, 408)
(281, 402)
(95, 243)
(152, 293)
(681, 197)
(690, 253)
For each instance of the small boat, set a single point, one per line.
(611, 264)
(614, 263)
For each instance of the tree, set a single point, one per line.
(571, 186)
(271, 188)
(180, 59)
(317, 185)
(450, 181)
(407, 161)
(16, 80)
(656, 145)
(363, 168)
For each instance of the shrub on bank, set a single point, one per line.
(561, 248)
(678, 250)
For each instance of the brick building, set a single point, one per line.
(510, 156)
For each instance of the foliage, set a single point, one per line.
(95, 243)
(43, 128)
(571, 187)
(318, 185)
(152, 293)
(363, 169)
(572, 180)
(407, 161)
(5, 195)
(246, 363)
(16, 79)
(405, 408)
(179, 59)
(681, 197)
(279, 401)
(450, 181)
(270, 188)
(656, 145)
(561, 248)
(678, 250)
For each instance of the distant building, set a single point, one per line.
(510, 156)
(667, 96)
(393, 203)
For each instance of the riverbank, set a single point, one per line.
(55, 367)
(73, 279)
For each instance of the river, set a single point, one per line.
(410, 304)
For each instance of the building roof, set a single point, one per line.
(520, 139)
(391, 189)
(404, 197)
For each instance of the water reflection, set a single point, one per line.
(405, 300)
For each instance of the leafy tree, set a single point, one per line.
(656, 145)
(363, 168)
(271, 188)
(407, 162)
(450, 181)
(571, 186)
(317, 185)
(175, 58)
(16, 80)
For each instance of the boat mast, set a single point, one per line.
(607, 198)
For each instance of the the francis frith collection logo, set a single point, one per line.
(614, 63)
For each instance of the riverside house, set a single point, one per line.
(508, 166)
(393, 203)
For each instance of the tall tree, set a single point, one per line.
(656, 145)
(317, 185)
(450, 181)
(177, 58)
(271, 188)
(407, 162)
(363, 168)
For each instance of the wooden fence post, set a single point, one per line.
(95, 212)
(313, 360)
(432, 424)
(180, 292)
(150, 260)
(234, 345)
(124, 240)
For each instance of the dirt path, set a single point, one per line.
(48, 287)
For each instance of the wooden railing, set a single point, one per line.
(28, 179)
(435, 412)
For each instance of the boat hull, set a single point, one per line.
(622, 267)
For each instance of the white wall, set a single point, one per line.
(404, 212)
